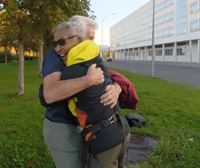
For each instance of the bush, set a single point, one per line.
(2, 57)
(29, 58)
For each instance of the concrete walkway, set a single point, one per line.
(184, 73)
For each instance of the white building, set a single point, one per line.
(176, 32)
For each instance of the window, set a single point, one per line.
(195, 25)
(164, 18)
(167, 32)
(168, 52)
(131, 51)
(136, 53)
(179, 51)
(181, 17)
(150, 53)
(195, 7)
(181, 28)
(164, 5)
(126, 52)
(158, 52)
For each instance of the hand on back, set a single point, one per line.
(95, 75)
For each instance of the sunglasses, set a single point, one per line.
(62, 42)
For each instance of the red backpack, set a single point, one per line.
(128, 97)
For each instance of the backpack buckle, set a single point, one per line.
(112, 119)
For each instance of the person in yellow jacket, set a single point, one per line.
(104, 130)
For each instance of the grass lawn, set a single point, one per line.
(172, 111)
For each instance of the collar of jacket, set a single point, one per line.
(82, 52)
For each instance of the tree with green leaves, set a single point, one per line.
(33, 20)
(18, 24)
(47, 14)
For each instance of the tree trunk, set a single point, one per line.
(6, 57)
(40, 57)
(20, 89)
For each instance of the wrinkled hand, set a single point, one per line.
(95, 75)
(111, 95)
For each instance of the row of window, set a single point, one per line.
(167, 52)
(158, 7)
(164, 18)
(164, 5)
(195, 7)
(147, 13)
(168, 32)
(147, 26)
(195, 25)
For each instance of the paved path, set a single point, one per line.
(188, 74)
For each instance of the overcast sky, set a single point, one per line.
(103, 9)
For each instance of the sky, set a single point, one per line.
(109, 12)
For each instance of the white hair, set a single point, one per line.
(75, 27)
(83, 20)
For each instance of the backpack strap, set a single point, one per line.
(88, 133)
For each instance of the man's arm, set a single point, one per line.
(56, 89)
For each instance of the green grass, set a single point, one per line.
(172, 112)
(21, 141)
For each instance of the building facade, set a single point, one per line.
(176, 32)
